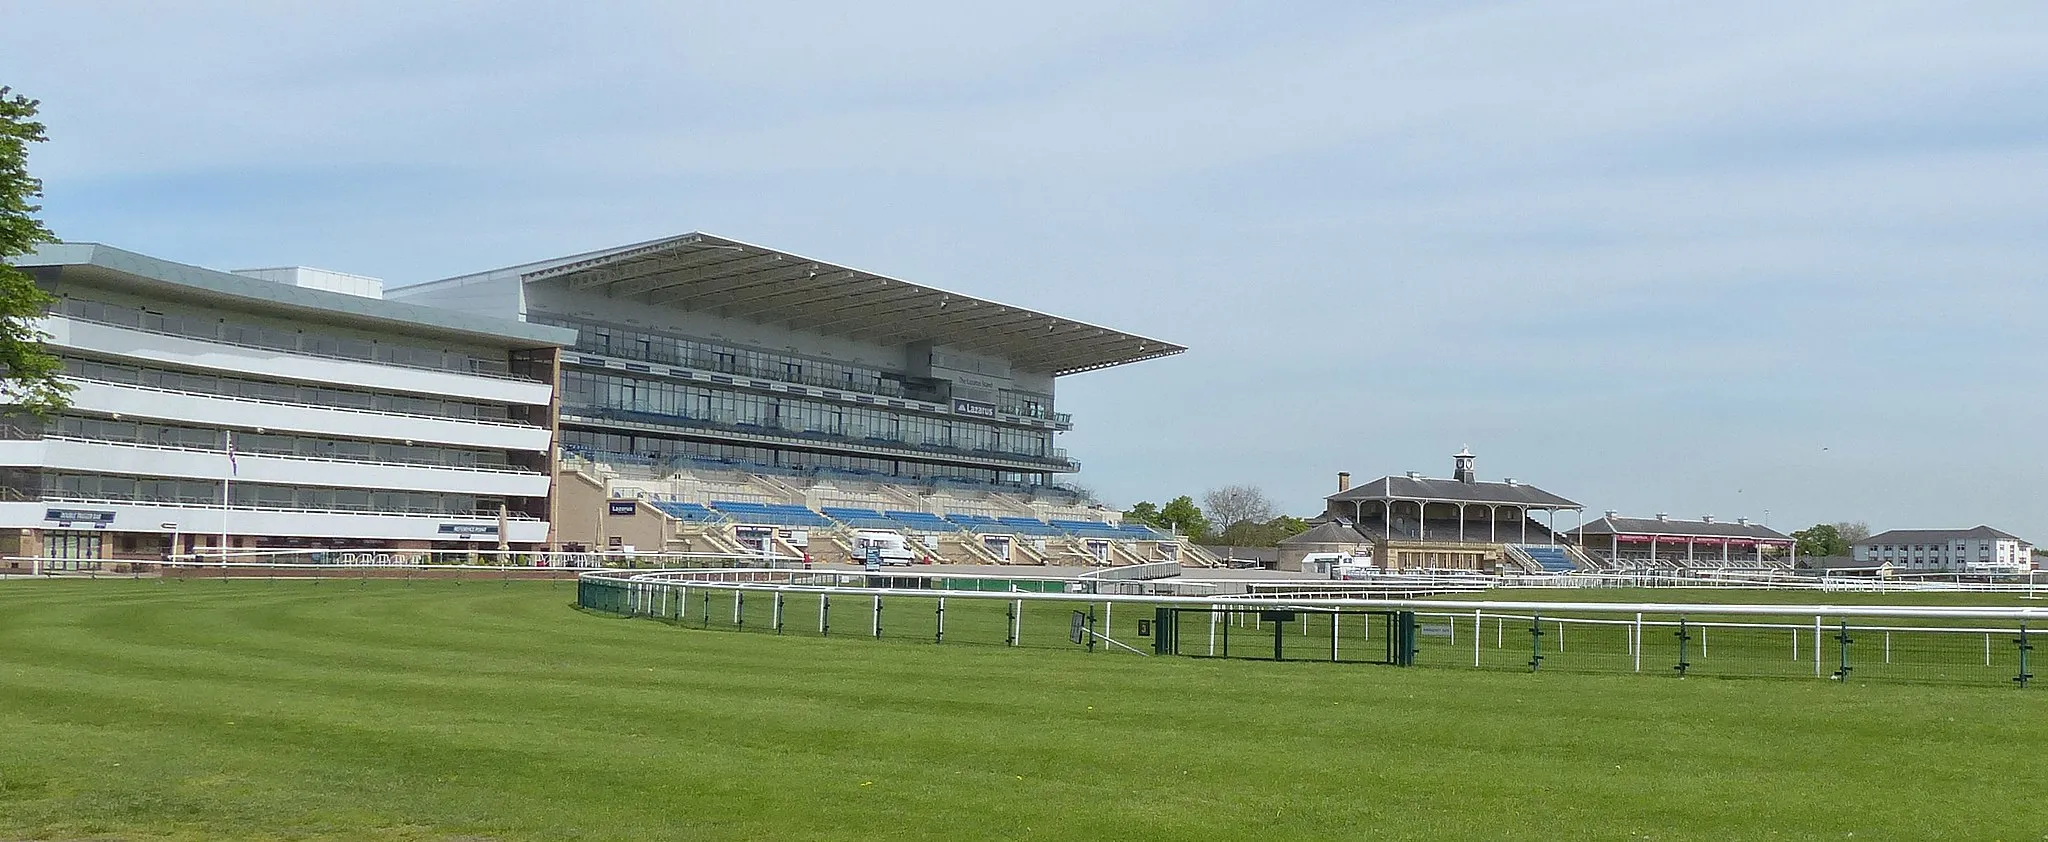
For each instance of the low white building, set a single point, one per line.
(1977, 550)
(264, 411)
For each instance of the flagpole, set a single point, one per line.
(228, 439)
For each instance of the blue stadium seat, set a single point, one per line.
(1088, 529)
(772, 514)
(1549, 557)
(860, 518)
(686, 511)
(920, 521)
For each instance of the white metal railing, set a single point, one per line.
(379, 413)
(201, 504)
(772, 580)
(259, 454)
(300, 352)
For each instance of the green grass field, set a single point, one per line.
(437, 710)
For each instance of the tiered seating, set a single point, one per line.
(921, 521)
(977, 523)
(1139, 532)
(777, 514)
(1552, 558)
(686, 511)
(1027, 526)
(860, 518)
(1089, 529)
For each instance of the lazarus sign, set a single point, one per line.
(974, 408)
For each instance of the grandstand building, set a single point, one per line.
(1978, 550)
(1461, 523)
(1663, 544)
(723, 396)
(277, 408)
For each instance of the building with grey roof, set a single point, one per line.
(1979, 549)
(1455, 523)
(1662, 542)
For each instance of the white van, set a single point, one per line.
(1337, 565)
(889, 547)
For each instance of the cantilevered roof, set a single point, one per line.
(1615, 525)
(1431, 489)
(116, 266)
(729, 278)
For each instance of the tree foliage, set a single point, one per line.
(1182, 515)
(1852, 531)
(1234, 504)
(1821, 539)
(28, 373)
(1144, 513)
(1266, 533)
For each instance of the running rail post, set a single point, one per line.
(1478, 619)
(1535, 642)
(824, 615)
(778, 612)
(1638, 643)
(940, 635)
(1816, 646)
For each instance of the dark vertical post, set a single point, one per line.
(1010, 627)
(1844, 640)
(939, 631)
(778, 612)
(739, 610)
(1091, 627)
(1279, 634)
(1684, 636)
(1535, 642)
(704, 616)
(2025, 647)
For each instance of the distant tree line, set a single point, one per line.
(1830, 539)
(1234, 515)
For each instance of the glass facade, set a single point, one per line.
(690, 404)
(668, 349)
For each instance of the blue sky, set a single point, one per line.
(1718, 258)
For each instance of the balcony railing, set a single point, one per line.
(214, 505)
(378, 413)
(1056, 459)
(471, 370)
(505, 470)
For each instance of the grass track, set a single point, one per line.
(439, 710)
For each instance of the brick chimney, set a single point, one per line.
(1343, 481)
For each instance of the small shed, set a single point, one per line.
(1330, 536)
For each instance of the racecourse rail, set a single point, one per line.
(1970, 644)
